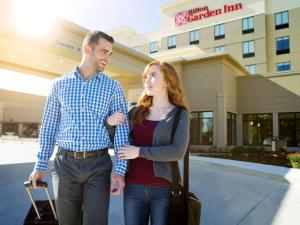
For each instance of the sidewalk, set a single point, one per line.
(231, 192)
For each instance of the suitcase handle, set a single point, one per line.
(28, 186)
(41, 184)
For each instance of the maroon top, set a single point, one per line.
(141, 170)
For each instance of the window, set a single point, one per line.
(282, 45)
(248, 49)
(30, 130)
(289, 128)
(257, 127)
(281, 20)
(231, 128)
(194, 37)
(153, 47)
(248, 25)
(251, 68)
(284, 66)
(219, 49)
(172, 42)
(10, 128)
(136, 48)
(201, 128)
(219, 31)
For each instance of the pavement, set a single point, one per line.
(231, 192)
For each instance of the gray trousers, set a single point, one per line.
(82, 186)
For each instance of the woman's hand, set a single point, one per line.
(129, 152)
(116, 118)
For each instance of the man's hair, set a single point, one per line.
(93, 37)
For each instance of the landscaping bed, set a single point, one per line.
(249, 154)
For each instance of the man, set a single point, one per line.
(74, 116)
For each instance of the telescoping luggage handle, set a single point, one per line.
(44, 185)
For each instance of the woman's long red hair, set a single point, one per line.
(174, 90)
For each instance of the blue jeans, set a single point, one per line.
(144, 202)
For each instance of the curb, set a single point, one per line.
(283, 174)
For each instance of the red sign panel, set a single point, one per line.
(180, 18)
(196, 14)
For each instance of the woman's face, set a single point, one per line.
(154, 82)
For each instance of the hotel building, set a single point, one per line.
(238, 62)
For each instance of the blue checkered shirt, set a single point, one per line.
(74, 117)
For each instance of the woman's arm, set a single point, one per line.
(172, 152)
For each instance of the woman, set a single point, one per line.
(148, 180)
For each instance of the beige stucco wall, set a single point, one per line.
(230, 89)
(21, 107)
(210, 85)
(259, 94)
(274, 6)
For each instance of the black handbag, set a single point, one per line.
(185, 207)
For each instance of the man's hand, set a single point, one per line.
(35, 177)
(117, 184)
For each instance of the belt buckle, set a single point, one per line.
(76, 157)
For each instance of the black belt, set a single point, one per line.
(82, 155)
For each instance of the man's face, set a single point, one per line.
(100, 54)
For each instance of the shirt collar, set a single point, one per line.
(76, 73)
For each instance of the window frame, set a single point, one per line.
(231, 122)
(283, 64)
(281, 25)
(136, 48)
(257, 120)
(173, 42)
(156, 47)
(196, 39)
(251, 66)
(296, 119)
(283, 50)
(196, 135)
(219, 47)
(248, 30)
(248, 53)
(217, 29)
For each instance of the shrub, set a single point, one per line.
(237, 151)
(294, 159)
(213, 149)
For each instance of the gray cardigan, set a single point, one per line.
(162, 151)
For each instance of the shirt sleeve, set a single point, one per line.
(49, 128)
(122, 130)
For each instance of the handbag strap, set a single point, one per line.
(174, 164)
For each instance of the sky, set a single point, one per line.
(141, 15)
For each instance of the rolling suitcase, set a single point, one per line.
(40, 212)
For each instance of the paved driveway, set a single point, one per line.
(228, 197)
